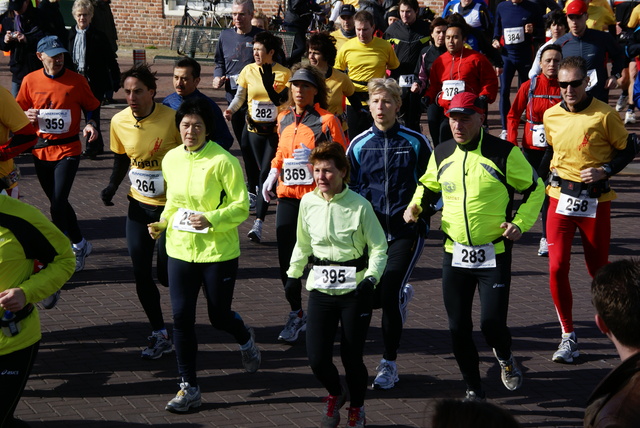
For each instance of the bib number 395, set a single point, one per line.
(473, 257)
(334, 277)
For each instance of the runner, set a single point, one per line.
(386, 161)
(304, 125)
(141, 135)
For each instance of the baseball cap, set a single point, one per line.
(304, 75)
(51, 46)
(347, 10)
(577, 7)
(465, 103)
(16, 4)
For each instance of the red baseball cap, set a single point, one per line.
(465, 103)
(577, 7)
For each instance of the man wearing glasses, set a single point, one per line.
(588, 143)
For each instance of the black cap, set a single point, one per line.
(347, 10)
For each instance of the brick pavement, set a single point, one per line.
(89, 371)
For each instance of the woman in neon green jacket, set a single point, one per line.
(206, 201)
(335, 225)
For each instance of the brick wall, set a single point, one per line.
(143, 23)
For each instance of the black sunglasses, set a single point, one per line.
(573, 83)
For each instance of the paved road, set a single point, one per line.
(89, 372)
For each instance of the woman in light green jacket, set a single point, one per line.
(206, 201)
(340, 233)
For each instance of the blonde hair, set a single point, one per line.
(390, 86)
(82, 5)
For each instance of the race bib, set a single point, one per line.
(263, 111)
(54, 121)
(474, 257)
(580, 206)
(450, 88)
(406, 80)
(513, 36)
(538, 136)
(296, 172)
(147, 183)
(593, 78)
(233, 81)
(335, 277)
(181, 221)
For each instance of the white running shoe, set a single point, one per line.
(255, 234)
(159, 344)
(510, 372)
(293, 327)
(251, 357)
(567, 350)
(387, 375)
(622, 102)
(188, 397)
(81, 254)
(629, 117)
(405, 298)
(543, 249)
(332, 406)
(503, 134)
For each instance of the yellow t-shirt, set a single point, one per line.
(260, 107)
(634, 19)
(145, 142)
(587, 139)
(364, 62)
(12, 118)
(338, 87)
(340, 38)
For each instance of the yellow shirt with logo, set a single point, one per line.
(145, 142)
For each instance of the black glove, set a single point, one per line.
(365, 287)
(107, 195)
(483, 102)
(292, 289)
(268, 76)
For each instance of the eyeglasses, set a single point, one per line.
(573, 83)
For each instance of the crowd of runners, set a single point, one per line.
(336, 140)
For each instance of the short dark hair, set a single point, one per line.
(269, 41)
(413, 4)
(188, 62)
(322, 97)
(198, 106)
(557, 17)
(457, 21)
(335, 152)
(551, 47)
(365, 16)
(324, 43)
(437, 22)
(575, 62)
(615, 294)
(143, 73)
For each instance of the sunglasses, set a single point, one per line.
(573, 83)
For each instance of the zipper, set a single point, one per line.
(464, 197)
(386, 185)
(188, 198)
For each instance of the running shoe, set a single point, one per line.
(623, 102)
(255, 234)
(51, 301)
(503, 134)
(510, 372)
(387, 375)
(188, 397)
(543, 249)
(567, 350)
(295, 324)
(405, 298)
(159, 344)
(251, 357)
(253, 199)
(475, 396)
(629, 117)
(81, 254)
(356, 417)
(332, 406)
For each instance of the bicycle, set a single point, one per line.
(188, 40)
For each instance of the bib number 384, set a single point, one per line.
(581, 206)
(334, 277)
(473, 257)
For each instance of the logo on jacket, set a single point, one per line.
(449, 187)
(585, 142)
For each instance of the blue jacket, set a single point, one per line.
(385, 169)
(223, 137)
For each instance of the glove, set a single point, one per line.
(365, 287)
(107, 195)
(292, 289)
(268, 76)
(483, 102)
(302, 153)
(269, 183)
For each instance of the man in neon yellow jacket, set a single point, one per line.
(477, 175)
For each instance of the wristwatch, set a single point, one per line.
(607, 169)
(373, 280)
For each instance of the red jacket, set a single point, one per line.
(546, 93)
(469, 66)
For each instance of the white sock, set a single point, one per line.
(80, 245)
